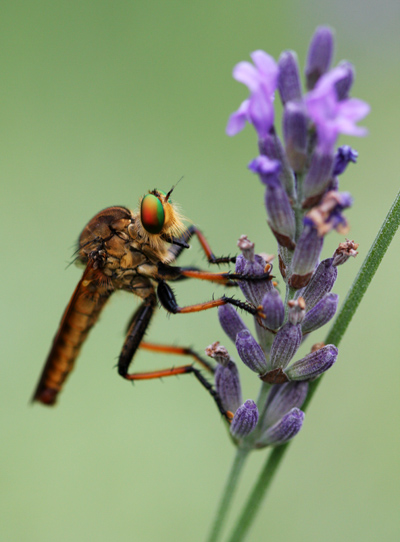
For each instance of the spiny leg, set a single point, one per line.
(176, 249)
(179, 351)
(185, 369)
(139, 323)
(168, 301)
(169, 272)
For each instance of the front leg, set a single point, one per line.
(181, 243)
(168, 301)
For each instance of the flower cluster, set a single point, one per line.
(303, 204)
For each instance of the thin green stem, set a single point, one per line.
(229, 491)
(352, 301)
(256, 497)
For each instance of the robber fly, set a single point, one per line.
(133, 251)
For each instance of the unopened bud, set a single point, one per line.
(244, 420)
(227, 385)
(251, 353)
(320, 315)
(313, 364)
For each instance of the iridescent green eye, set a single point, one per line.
(152, 214)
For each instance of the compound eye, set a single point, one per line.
(152, 214)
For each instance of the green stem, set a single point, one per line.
(229, 491)
(260, 489)
(352, 301)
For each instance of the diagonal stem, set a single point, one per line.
(228, 494)
(346, 313)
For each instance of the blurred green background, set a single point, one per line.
(101, 101)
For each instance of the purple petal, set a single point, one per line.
(237, 120)
(246, 73)
(268, 69)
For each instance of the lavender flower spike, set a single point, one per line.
(261, 79)
(289, 84)
(250, 352)
(320, 55)
(244, 420)
(332, 116)
(230, 321)
(284, 430)
(280, 212)
(320, 315)
(313, 364)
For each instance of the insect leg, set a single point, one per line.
(185, 369)
(168, 301)
(176, 250)
(168, 272)
(137, 329)
(179, 351)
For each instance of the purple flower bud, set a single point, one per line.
(289, 84)
(244, 420)
(343, 157)
(321, 283)
(282, 398)
(297, 311)
(250, 352)
(273, 309)
(252, 264)
(295, 123)
(279, 210)
(283, 430)
(317, 178)
(344, 252)
(320, 315)
(320, 55)
(343, 85)
(313, 364)
(227, 384)
(306, 256)
(230, 321)
(271, 147)
(285, 345)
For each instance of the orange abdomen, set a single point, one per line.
(82, 312)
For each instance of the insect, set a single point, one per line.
(133, 251)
